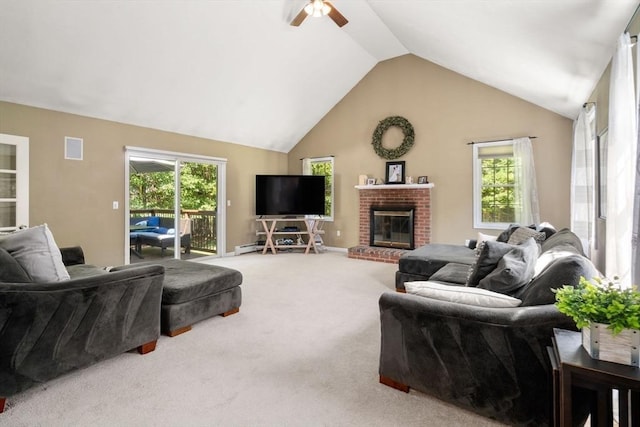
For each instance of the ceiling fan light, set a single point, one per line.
(309, 9)
(326, 9)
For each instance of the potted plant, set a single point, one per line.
(608, 315)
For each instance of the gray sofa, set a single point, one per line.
(492, 361)
(50, 329)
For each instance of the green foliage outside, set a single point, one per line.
(600, 302)
(155, 190)
(325, 168)
(498, 190)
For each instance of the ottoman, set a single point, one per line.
(193, 292)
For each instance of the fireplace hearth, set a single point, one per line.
(391, 227)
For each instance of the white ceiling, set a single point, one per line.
(236, 71)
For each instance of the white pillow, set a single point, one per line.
(461, 294)
(37, 252)
(484, 238)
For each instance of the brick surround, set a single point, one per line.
(418, 195)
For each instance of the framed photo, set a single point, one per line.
(371, 181)
(394, 173)
(423, 180)
(602, 173)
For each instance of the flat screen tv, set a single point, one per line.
(289, 195)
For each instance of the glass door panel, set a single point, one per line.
(7, 185)
(199, 203)
(152, 223)
(7, 214)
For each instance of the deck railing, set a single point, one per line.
(203, 225)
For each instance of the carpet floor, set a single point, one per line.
(302, 351)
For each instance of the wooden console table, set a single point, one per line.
(312, 229)
(573, 367)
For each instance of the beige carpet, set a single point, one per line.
(303, 351)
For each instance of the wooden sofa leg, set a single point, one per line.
(2, 401)
(179, 331)
(401, 290)
(230, 312)
(393, 384)
(147, 347)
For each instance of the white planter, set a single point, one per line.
(601, 344)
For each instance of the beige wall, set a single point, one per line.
(447, 110)
(75, 197)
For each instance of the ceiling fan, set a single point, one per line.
(319, 8)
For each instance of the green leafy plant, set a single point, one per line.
(600, 301)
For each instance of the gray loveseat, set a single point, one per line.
(50, 329)
(492, 361)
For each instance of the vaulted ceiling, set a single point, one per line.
(236, 71)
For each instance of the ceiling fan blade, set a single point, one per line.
(337, 17)
(299, 18)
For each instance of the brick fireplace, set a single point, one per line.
(416, 195)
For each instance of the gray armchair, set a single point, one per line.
(492, 361)
(49, 329)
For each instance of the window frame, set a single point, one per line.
(331, 160)
(477, 187)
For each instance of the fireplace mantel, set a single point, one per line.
(394, 186)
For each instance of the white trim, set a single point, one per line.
(394, 186)
(22, 178)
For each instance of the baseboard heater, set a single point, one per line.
(244, 249)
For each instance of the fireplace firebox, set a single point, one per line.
(391, 227)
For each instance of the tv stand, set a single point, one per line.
(311, 229)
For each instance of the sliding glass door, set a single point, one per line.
(174, 208)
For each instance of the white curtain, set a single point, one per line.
(583, 178)
(525, 182)
(621, 155)
(306, 166)
(635, 233)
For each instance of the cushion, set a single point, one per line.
(504, 236)
(10, 270)
(161, 230)
(562, 271)
(153, 221)
(430, 258)
(483, 238)
(521, 234)
(486, 261)
(514, 270)
(452, 273)
(461, 294)
(563, 237)
(37, 253)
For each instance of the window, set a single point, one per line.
(494, 185)
(322, 166)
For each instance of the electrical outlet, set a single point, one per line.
(338, 233)
(116, 205)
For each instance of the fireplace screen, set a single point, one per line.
(391, 227)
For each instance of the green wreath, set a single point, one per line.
(403, 148)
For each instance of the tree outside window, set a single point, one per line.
(494, 185)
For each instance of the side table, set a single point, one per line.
(575, 368)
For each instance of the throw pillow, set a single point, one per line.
(10, 270)
(461, 294)
(37, 253)
(561, 271)
(563, 237)
(484, 238)
(514, 270)
(487, 259)
(521, 234)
